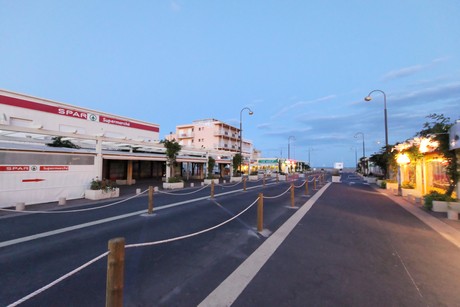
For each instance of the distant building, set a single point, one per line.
(212, 134)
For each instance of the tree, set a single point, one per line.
(384, 160)
(172, 151)
(438, 129)
(58, 142)
(236, 163)
(211, 164)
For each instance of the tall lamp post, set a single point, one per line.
(364, 151)
(241, 134)
(369, 98)
(289, 146)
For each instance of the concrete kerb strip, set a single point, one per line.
(448, 232)
(229, 290)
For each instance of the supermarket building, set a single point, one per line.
(108, 146)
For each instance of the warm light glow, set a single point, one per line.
(427, 145)
(402, 159)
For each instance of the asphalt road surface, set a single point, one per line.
(342, 245)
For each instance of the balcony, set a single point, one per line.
(185, 135)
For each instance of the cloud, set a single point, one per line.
(300, 104)
(411, 70)
(264, 126)
(175, 6)
(431, 94)
(403, 72)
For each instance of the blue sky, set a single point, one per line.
(303, 67)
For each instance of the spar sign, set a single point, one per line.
(33, 168)
(74, 113)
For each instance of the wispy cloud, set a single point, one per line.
(301, 104)
(431, 94)
(175, 6)
(411, 70)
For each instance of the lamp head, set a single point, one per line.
(250, 112)
(368, 98)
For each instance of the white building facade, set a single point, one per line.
(108, 147)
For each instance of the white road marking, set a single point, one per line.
(229, 290)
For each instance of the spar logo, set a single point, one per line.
(93, 117)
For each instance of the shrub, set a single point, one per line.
(407, 185)
(435, 195)
(174, 179)
(383, 184)
(106, 185)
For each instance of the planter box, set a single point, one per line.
(253, 177)
(236, 179)
(335, 178)
(452, 205)
(392, 185)
(282, 177)
(101, 194)
(174, 185)
(209, 181)
(439, 206)
(452, 214)
(371, 180)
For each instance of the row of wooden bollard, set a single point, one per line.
(116, 255)
(321, 179)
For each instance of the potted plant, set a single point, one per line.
(102, 189)
(437, 202)
(209, 177)
(391, 184)
(173, 183)
(253, 176)
(407, 188)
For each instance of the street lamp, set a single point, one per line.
(241, 134)
(364, 151)
(289, 146)
(369, 98)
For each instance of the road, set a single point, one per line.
(354, 247)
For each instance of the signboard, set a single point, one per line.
(454, 136)
(26, 168)
(80, 114)
(338, 165)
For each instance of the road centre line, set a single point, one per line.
(229, 290)
(107, 220)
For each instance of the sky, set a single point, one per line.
(302, 67)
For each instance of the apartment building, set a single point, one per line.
(213, 135)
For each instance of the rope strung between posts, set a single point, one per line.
(192, 234)
(229, 186)
(188, 193)
(75, 271)
(77, 210)
(51, 284)
(300, 185)
(271, 197)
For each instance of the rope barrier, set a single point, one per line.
(73, 272)
(300, 185)
(271, 197)
(42, 289)
(191, 234)
(188, 193)
(231, 186)
(77, 210)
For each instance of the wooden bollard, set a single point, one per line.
(264, 180)
(277, 178)
(115, 273)
(150, 209)
(260, 213)
(314, 183)
(306, 186)
(244, 184)
(292, 194)
(212, 188)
